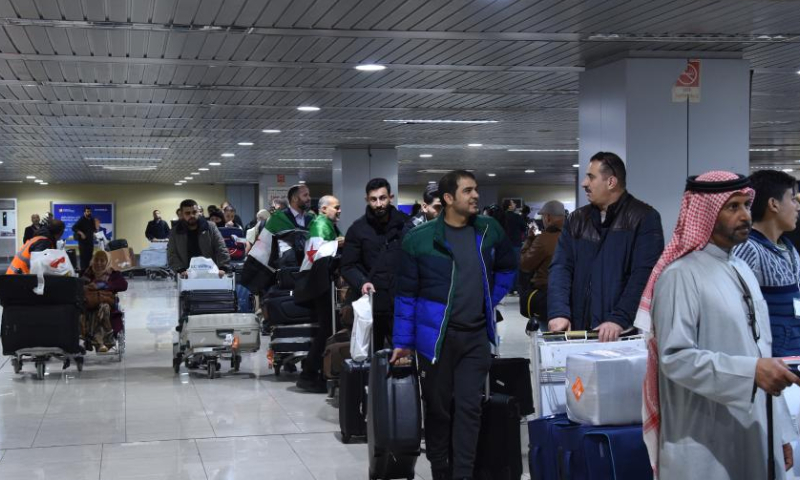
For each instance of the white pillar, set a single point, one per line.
(627, 107)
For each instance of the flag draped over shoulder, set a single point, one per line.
(321, 241)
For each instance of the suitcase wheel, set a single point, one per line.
(176, 364)
(40, 369)
(79, 363)
(236, 362)
(17, 364)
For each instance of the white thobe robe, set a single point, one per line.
(713, 418)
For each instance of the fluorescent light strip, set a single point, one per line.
(765, 149)
(270, 130)
(545, 150)
(228, 155)
(245, 144)
(203, 169)
(305, 159)
(122, 147)
(476, 122)
(370, 67)
(128, 169)
(138, 159)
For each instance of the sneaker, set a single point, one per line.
(102, 349)
(312, 386)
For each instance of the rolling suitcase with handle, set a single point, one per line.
(499, 453)
(353, 383)
(512, 376)
(200, 302)
(394, 420)
(212, 331)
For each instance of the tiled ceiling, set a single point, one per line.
(171, 85)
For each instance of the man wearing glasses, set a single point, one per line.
(712, 394)
(604, 256)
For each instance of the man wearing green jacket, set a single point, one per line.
(289, 225)
(323, 241)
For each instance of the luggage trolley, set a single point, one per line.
(39, 328)
(210, 329)
(549, 352)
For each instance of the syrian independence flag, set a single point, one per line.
(316, 246)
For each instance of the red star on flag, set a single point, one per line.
(311, 254)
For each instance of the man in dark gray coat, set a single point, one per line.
(194, 236)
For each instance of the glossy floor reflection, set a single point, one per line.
(137, 419)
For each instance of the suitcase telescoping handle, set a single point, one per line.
(222, 333)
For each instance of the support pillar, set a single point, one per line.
(353, 167)
(274, 186)
(627, 107)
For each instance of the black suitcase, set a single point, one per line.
(353, 383)
(286, 277)
(118, 244)
(292, 338)
(51, 326)
(199, 302)
(512, 376)
(394, 423)
(499, 453)
(18, 290)
(282, 309)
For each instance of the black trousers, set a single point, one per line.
(452, 390)
(323, 315)
(86, 249)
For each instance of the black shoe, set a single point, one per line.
(312, 386)
(441, 474)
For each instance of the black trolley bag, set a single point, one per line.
(200, 302)
(50, 320)
(353, 382)
(499, 452)
(394, 419)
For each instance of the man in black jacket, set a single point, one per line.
(157, 229)
(83, 232)
(30, 230)
(371, 256)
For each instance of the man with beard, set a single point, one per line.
(194, 236)
(709, 405)
(83, 232)
(454, 271)
(429, 210)
(604, 255)
(290, 224)
(157, 229)
(371, 253)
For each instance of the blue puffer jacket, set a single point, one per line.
(595, 279)
(427, 275)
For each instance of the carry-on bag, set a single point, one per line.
(616, 453)
(244, 300)
(353, 383)
(18, 290)
(118, 244)
(498, 456)
(337, 350)
(282, 310)
(218, 330)
(394, 421)
(512, 376)
(42, 326)
(153, 258)
(292, 338)
(199, 302)
(542, 453)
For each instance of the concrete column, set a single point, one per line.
(627, 107)
(353, 167)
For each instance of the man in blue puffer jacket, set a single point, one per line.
(773, 258)
(453, 272)
(604, 256)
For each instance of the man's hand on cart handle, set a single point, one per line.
(401, 356)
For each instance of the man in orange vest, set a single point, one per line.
(46, 237)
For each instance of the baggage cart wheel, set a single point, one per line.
(290, 367)
(17, 364)
(40, 369)
(176, 364)
(79, 363)
(236, 362)
(277, 369)
(212, 369)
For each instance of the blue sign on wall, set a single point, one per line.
(70, 212)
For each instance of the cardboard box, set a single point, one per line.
(121, 259)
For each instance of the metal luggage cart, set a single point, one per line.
(41, 355)
(549, 352)
(338, 293)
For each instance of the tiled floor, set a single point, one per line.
(138, 420)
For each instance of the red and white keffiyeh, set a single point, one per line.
(693, 231)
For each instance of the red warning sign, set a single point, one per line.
(687, 86)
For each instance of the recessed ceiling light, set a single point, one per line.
(548, 150)
(44, 183)
(195, 173)
(442, 121)
(30, 177)
(214, 164)
(38, 181)
(308, 108)
(425, 155)
(187, 178)
(474, 144)
(301, 182)
(787, 170)
(1, 162)
(575, 165)
(245, 144)
(270, 130)
(228, 155)
(370, 67)
(178, 184)
(491, 174)
(530, 171)
(204, 169)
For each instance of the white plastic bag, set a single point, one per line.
(362, 329)
(202, 267)
(50, 262)
(262, 248)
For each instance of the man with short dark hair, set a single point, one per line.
(371, 254)
(46, 237)
(157, 229)
(453, 273)
(194, 236)
(773, 258)
(429, 209)
(604, 255)
(83, 233)
(30, 230)
(289, 226)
